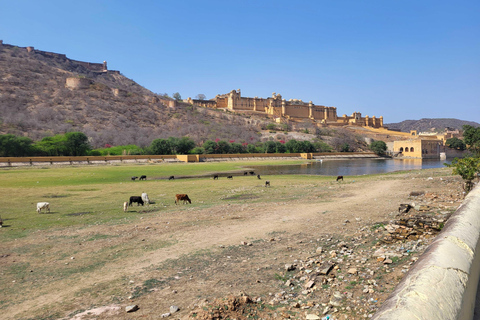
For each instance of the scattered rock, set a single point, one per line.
(131, 308)
(289, 267)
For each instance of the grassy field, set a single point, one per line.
(86, 250)
(86, 195)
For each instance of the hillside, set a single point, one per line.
(430, 125)
(35, 102)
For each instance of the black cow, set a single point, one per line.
(230, 177)
(143, 178)
(136, 199)
(245, 173)
(134, 178)
(340, 178)
(258, 176)
(267, 183)
(252, 173)
(215, 177)
(171, 178)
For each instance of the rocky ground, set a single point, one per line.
(347, 277)
(331, 250)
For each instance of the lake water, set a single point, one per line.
(351, 167)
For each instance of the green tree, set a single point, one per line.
(379, 147)
(321, 146)
(13, 146)
(197, 150)
(251, 148)
(280, 147)
(236, 148)
(160, 146)
(177, 96)
(471, 137)
(181, 145)
(344, 147)
(293, 146)
(467, 168)
(52, 146)
(306, 146)
(223, 147)
(269, 147)
(455, 143)
(76, 144)
(210, 147)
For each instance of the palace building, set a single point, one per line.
(281, 109)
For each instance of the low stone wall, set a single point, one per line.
(443, 282)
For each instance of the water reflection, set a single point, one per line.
(351, 167)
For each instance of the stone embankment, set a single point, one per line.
(98, 160)
(443, 282)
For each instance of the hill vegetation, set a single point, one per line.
(35, 102)
(430, 125)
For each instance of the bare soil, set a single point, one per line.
(228, 261)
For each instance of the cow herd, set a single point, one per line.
(143, 199)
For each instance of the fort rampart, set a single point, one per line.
(91, 66)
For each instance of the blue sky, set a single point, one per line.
(406, 59)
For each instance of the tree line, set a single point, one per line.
(77, 144)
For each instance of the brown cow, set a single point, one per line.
(183, 197)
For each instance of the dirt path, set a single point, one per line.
(197, 253)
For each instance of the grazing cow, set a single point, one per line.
(171, 178)
(134, 178)
(258, 176)
(252, 173)
(340, 178)
(230, 177)
(143, 178)
(180, 197)
(125, 206)
(267, 183)
(145, 198)
(136, 199)
(1, 222)
(215, 177)
(245, 173)
(43, 205)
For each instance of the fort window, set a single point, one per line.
(406, 149)
(401, 149)
(411, 149)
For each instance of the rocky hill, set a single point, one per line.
(430, 125)
(36, 102)
(44, 93)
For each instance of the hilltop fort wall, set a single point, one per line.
(90, 66)
(292, 109)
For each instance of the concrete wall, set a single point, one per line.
(443, 282)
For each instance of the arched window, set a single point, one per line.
(406, 149)
(401, 149)
(411, 149)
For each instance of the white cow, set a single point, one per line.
(125, 206)
(145, 198)
(43, 205)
